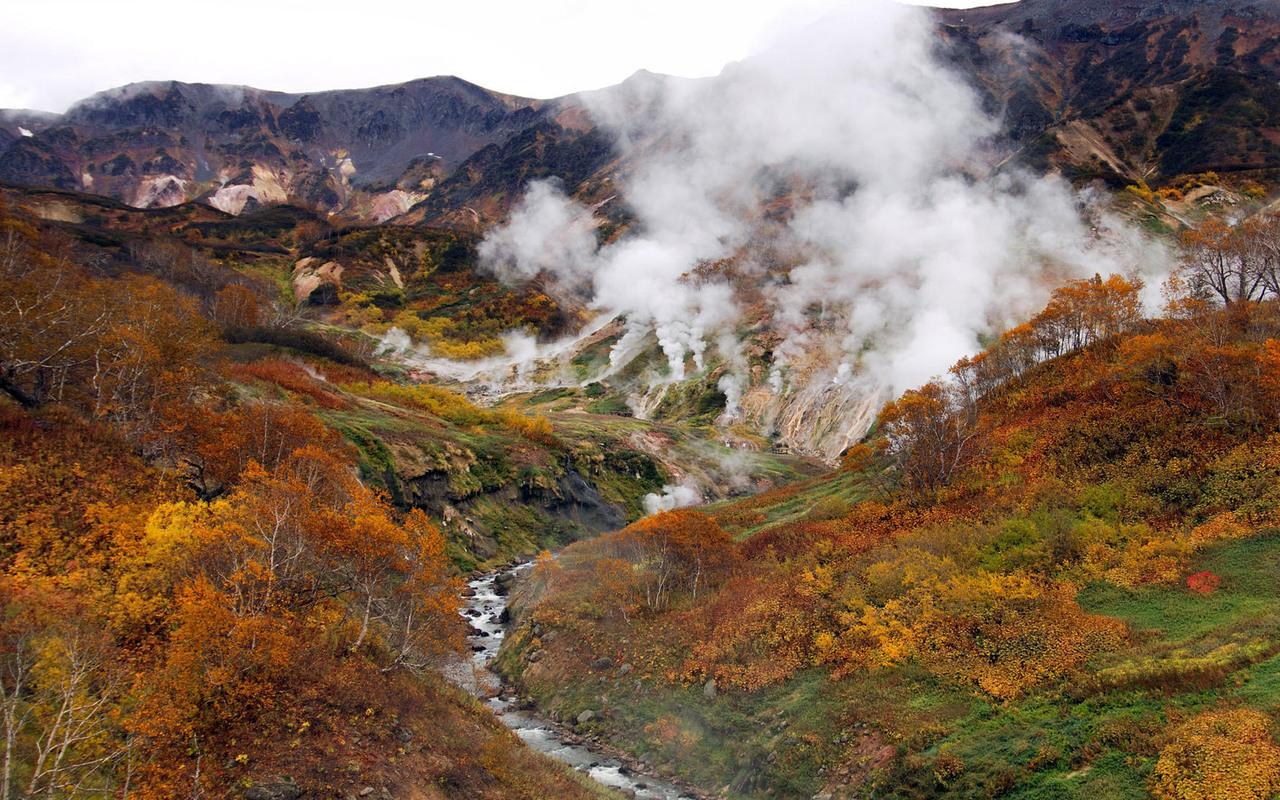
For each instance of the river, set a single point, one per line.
(483, 611)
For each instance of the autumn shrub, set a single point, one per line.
(442, 335)
(1002, 634)
(236, 307)
(1148, 557)
(1219, 755)
(676, 552)
(1181, 671)
(432, 399)
(1141, 191)
(297, 339)
(1241, 487)
(931, 434)
(535, 429)
(758, 630)
(298, 571)
(290, 376)
(114, 348)
(1204, 582)
(947, 767)
(215, 446)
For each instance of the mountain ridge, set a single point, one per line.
(1123, 93)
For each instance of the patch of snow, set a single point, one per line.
(25, 132)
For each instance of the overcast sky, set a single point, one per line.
(53, 52)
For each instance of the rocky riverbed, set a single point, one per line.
(484, 609)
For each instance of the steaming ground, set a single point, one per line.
(846, 172)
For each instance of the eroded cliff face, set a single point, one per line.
(821, 419)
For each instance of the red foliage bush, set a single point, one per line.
(1205, 583)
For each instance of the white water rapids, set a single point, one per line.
(483, 610)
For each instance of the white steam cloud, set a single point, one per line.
(394, 342)
(672, 497)
(545, 233)
(862, 162)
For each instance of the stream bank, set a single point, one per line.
(484, 609)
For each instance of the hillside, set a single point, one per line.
(1083, 607)
(194, 468)
(1120, 92)
(1128, 91)
(894, 414)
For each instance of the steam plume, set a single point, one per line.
(866, 163)
(672, 497)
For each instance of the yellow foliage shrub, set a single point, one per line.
(1219, 755)
(432, 399)
(437, 331)
(455, 408)
(1142, 192)
(1002, 633)
(1223, 527)
(1155, 559)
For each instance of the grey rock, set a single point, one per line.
(279, 790)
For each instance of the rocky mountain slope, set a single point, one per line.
(371, 151)
(1131, 90)
(1121, 91)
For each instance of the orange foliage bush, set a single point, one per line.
(216, 446)
(756, 631)
(674, 551)
(1219, 755)
(290, 376)
(118, 348)
(236, 307)
(300, 568)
